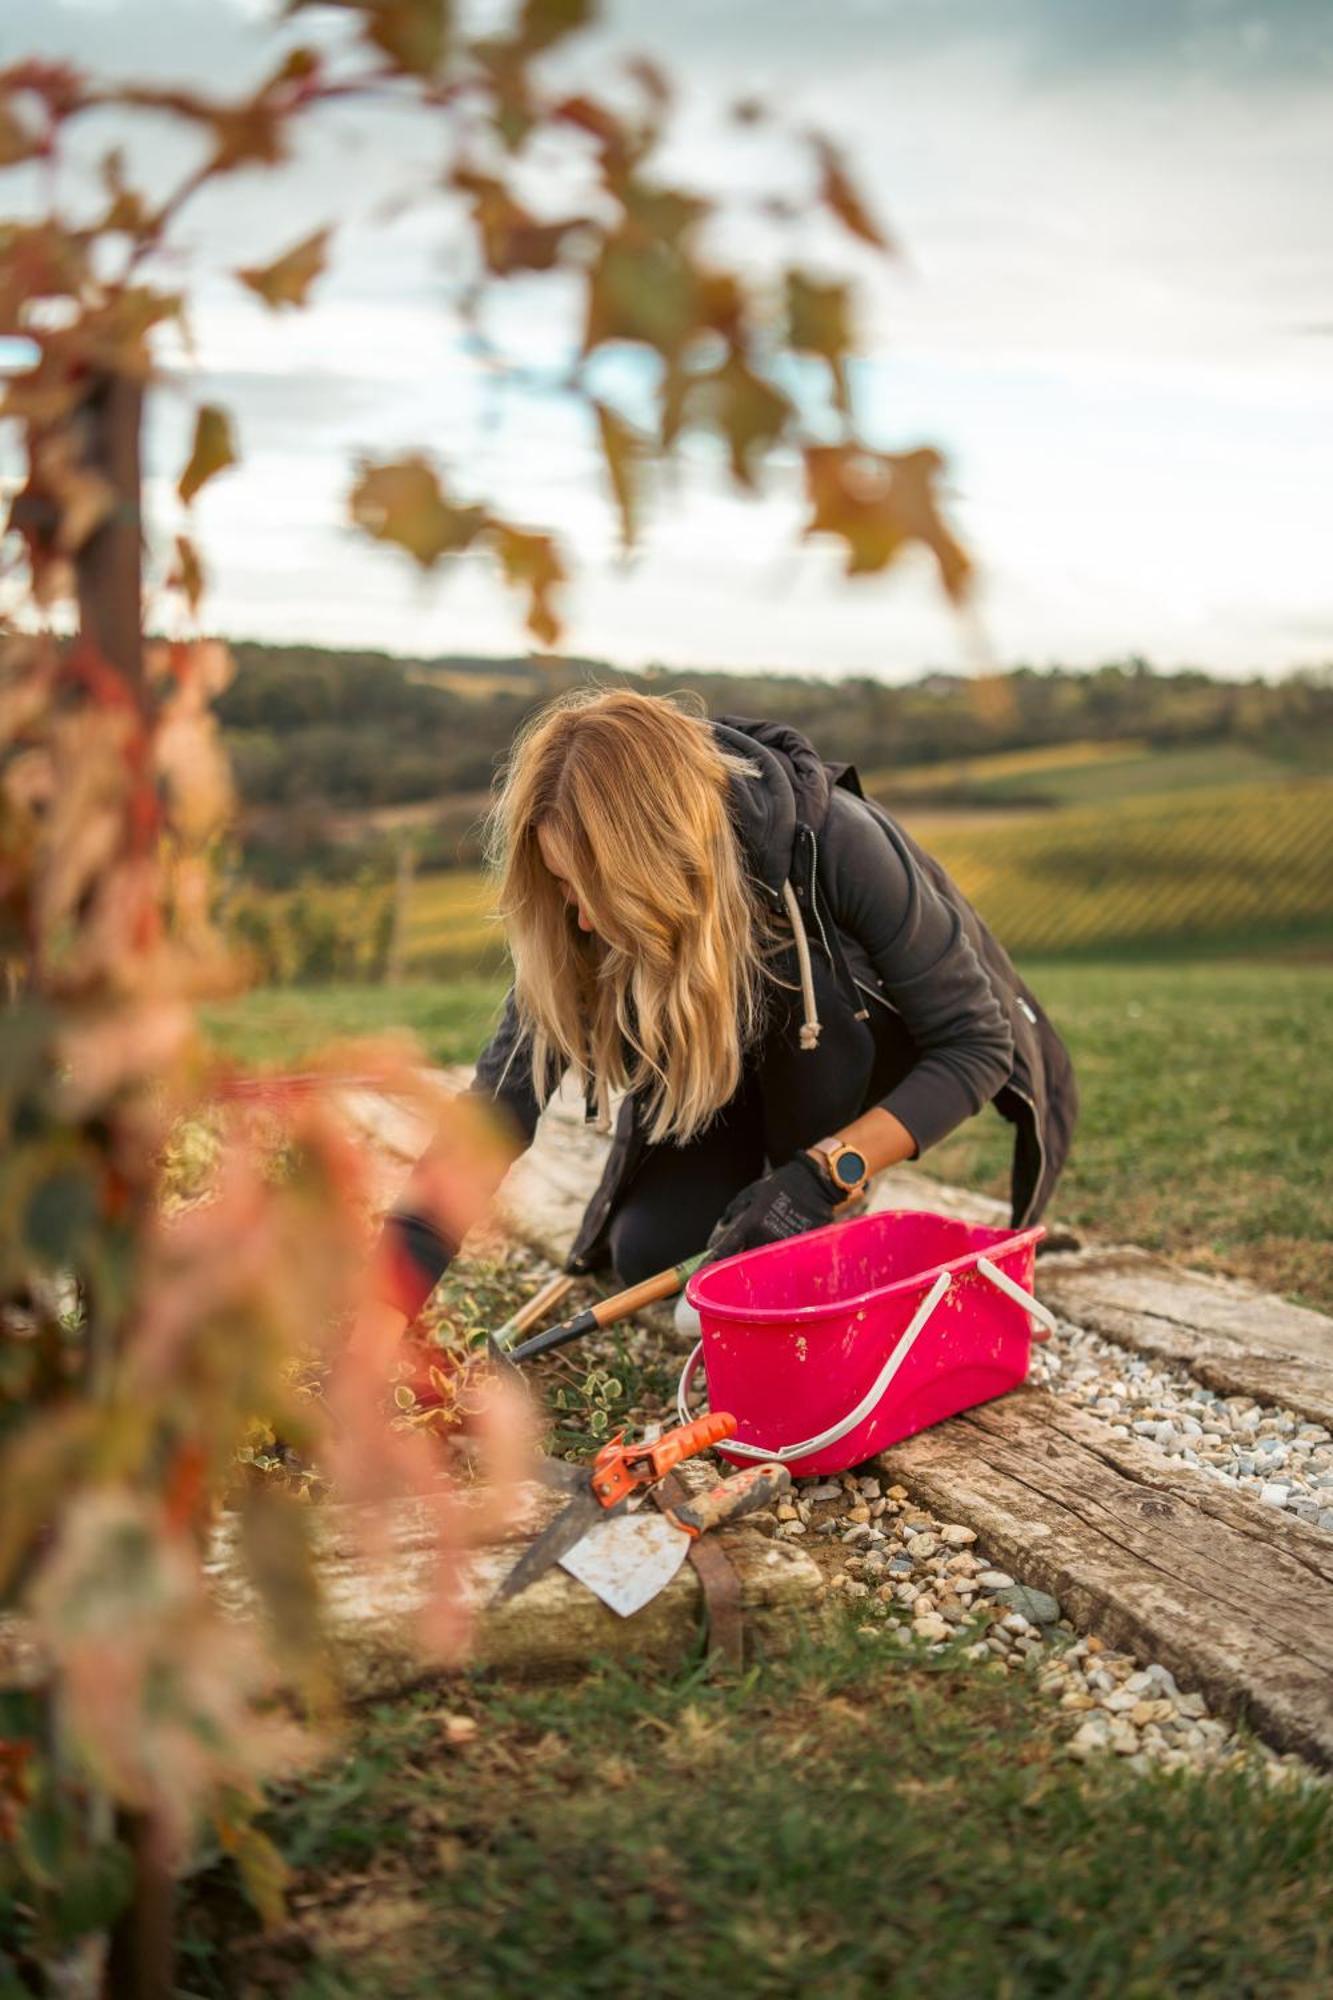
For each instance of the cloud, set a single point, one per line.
(1111, 313)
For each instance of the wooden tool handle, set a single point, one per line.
(664, 1286)
(732, 1499)
(607, 1311)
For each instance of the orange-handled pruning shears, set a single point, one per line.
(602, 1489)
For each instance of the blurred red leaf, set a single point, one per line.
(17, 141)
(837, 192)
(61, 88)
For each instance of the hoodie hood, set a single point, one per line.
(791, 788)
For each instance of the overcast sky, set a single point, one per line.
(1114, 313)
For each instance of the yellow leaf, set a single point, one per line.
(187, 573)
(403, 502)
(642, 288)
(878, 503)
(414, 34)
(212, 452)
(622, 448)
(747, 410)
(545, 22)
(263, 1872)
(287, 281)
(819, 321)
(532, 562)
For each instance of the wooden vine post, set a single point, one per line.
(140, 1963)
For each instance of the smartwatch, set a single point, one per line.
(846, 1168)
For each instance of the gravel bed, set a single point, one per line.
(1276, 1457)
(921, 1580)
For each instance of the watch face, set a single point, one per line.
(850, 1167)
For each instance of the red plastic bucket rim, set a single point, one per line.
(1007, 1242)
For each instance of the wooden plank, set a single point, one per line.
(551, 1631)
(1233, 1597)
(1234, 1339)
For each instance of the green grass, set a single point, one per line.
(851, 1822)
(1207, 1122)
(855, 1821)
(284, 1025)
(1207, 1115)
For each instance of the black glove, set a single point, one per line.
(787, 1202)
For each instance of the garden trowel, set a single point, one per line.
(626, 1561)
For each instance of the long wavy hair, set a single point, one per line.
(665, 993)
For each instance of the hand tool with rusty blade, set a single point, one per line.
(607, 1311)
(627, 1561)
(603, 1488)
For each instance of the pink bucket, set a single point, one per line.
(829, 1347)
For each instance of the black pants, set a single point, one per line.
(789, 1097)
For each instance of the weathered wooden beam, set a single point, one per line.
(1232, 1338)
(1233, 1597)
(551, 1631)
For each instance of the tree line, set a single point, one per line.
(320, 737)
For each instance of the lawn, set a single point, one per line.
(846, 1823)
(856, 1820)
(1207, 1125)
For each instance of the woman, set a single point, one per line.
(791, 994)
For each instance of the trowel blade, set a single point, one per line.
(628, 1559)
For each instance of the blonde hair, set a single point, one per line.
(665, 993)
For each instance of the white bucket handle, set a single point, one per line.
(734, 1448)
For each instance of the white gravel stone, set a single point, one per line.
(1230, 1438)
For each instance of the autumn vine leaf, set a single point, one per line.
(819, 321)
(212, 452)
(116, 792)
(542, 23)
(531, 562)
(878, 503)
(187, 573)
(287, 281)
(404, 502)
(838, 193)
(623, 450)
(414, 34)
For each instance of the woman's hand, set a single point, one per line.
(786, 1202)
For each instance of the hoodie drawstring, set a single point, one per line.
(810, 1026)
